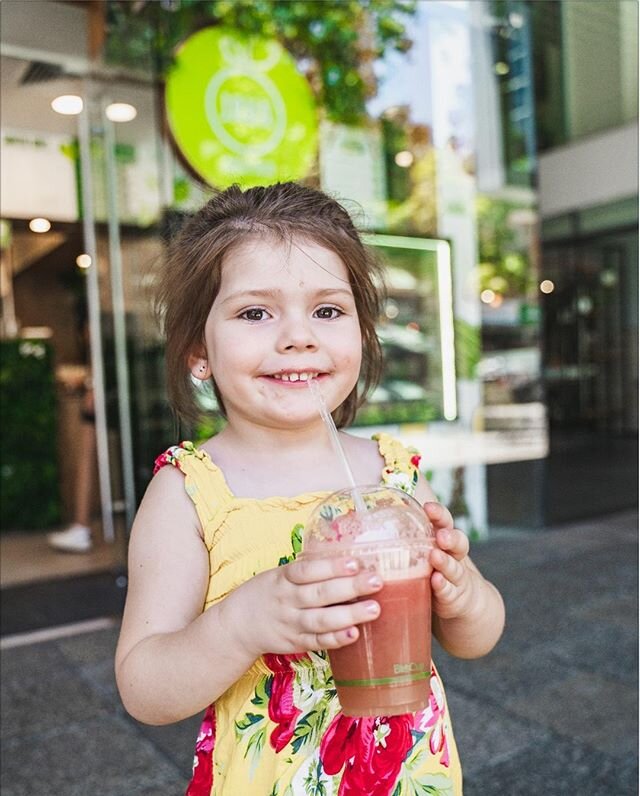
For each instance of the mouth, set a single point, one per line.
(300, 377)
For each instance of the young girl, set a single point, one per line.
(264, 290)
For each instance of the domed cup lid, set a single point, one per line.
(393, 519)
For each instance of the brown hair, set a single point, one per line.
(193, 271)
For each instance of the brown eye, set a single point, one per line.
(328, 313)
(254, 314)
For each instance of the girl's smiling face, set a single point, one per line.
(284, 313)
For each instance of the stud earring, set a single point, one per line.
(203, 368)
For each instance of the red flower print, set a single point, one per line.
(371, 750)
(202, 778)
(282, 710)
(160, 462)
(415, 460)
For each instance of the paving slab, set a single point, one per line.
(597, 711)
(603, 648)
(556, 767)
(88, 648)
(501, 675)
(486, 734)
(40, 691)
(176, 741)
(101, 755)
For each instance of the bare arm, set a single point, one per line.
(172, 659)
(468, 611)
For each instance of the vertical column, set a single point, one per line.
(95, 328)
(119, 322)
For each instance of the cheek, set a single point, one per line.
(356, 346)
(351, 354)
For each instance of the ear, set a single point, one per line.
(199, 367)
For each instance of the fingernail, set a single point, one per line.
(373, 608)
(351, 566)
(375, 581)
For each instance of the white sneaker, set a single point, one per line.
(75, 539)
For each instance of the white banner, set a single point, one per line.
(37, 176)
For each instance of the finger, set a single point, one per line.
(454, 542)
(338, 617)
(337, 590)
(439, 515)
(334, 640)
(452, 569)
(311, 570)
(443, 589)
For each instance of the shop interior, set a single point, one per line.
(46, 349)
(49, 301)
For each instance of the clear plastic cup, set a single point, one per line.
(386, 671)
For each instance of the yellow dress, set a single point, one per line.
(279, 731)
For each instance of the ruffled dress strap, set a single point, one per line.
(401, 463)
(204, 483)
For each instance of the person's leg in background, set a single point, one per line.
(77, 537)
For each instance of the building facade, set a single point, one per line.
(433, 141)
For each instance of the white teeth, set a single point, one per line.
(295, 376)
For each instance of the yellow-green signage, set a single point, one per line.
(239, 110)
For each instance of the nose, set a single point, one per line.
(296, 334)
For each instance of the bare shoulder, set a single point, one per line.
(166, 504)
(361, 444)
(167, 486)
(365, 458)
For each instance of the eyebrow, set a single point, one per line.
(276, 293)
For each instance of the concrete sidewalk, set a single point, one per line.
(553, 710)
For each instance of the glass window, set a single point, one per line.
(416, 333)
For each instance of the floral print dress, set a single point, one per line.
(279, 730)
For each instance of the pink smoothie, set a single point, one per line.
(386, 671)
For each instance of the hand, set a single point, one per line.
(454, 578)
(305, 605)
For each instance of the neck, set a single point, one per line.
(262, 439)
(262, 462)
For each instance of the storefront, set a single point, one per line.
(423, 140)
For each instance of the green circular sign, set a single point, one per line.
(239, 110)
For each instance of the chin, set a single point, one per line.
(296, 420)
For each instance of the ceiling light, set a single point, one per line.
(68, 104)
(39, 225)
(121, 112)
(83, 261)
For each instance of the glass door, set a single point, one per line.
(590, 355)
(584, 334)
(56, 309)
(124, 156)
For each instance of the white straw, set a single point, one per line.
(335, 440)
